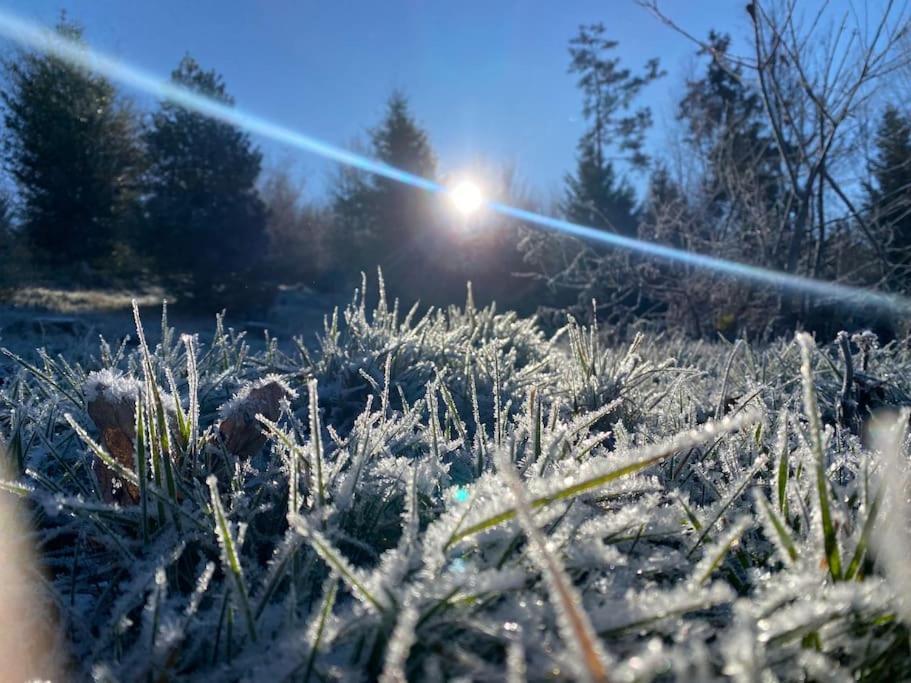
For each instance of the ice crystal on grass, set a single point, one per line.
(111, 385)
(452, 495)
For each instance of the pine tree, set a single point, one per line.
(71, 147)
(595, 196)
(401, 210)
(401, 142)
(594, 193)
(351, 199)
(205, 223)
(391, 223)
(725, 124)
(889, 195)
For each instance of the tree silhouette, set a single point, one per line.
(206, 225)
(889, 193)
(71, 147)
(391, 223)
(594, 194)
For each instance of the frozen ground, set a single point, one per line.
(71, 320)
(459, 496)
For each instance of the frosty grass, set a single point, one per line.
(454, 495)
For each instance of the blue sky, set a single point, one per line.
(487, 79)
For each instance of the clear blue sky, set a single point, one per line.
(485, 78)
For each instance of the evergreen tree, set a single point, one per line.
(71, 147)
(206, 225)
(594, 194)
(400, 209)
(725, 125)
(351, 203)
(390, 222)
(889, 194)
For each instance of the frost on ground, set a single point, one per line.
(70, 321)
(79, 300)
(455, 495)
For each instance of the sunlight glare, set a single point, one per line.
(466, 197)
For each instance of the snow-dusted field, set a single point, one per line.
(459, 497)
(71, 321)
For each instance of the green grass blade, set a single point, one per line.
(690, 515)
(124, 472)
(180, 415)
(44, 377)
(783, 470)
(16, 489)
(230, 558)
(163, 448)
(193, 391)
(453, 412)
(100, 452)
(296, 459)
(283, 556)
(783, 536)
(316, 445)
(139, 453)
(715, 554)
(535, 415)
(574, 624)
(872, 513)
(330, 590)
(650, 456)
(830, 539)
(336, 561)
(728, 501)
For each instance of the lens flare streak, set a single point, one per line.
(833, 291)
(37, 37)
(28, 34)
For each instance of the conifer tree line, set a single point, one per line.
(794, 156)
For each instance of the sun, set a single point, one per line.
(466, 197)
